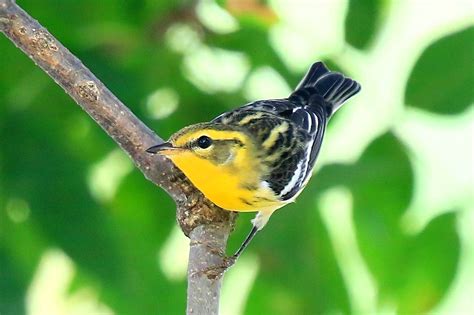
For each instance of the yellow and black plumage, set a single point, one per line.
(260, 156)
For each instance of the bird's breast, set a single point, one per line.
(231, 187)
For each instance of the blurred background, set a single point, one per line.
(384, 227)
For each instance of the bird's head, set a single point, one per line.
(218, 159)
(215, 143)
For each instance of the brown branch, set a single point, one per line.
(207, 225)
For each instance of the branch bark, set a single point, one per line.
(207, 226)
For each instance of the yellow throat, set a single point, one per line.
(234, 186)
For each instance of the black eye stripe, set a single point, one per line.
(234, 140)
(237, 141)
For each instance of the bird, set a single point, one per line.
(260, 156)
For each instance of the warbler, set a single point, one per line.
(260, 156)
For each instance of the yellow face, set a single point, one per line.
(219, 162)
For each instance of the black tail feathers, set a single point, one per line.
(333, 87)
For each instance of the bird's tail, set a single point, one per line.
(322, 84)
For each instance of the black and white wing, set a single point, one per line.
(291, 130)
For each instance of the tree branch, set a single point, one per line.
(207, 225)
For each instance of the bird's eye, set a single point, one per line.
(204, 142)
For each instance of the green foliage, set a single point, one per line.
(11, 287)
(430, 263)
(418, 269)
(443, 78)
(362, 22)
(65, 188)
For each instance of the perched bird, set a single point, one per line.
(260, 156)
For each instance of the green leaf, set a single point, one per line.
(412, 271)
(443, 78)
(382, 190)
(430, 264)
(362, 21)
(12, 287)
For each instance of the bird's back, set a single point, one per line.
(288, 132)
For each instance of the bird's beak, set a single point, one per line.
(165, 148)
